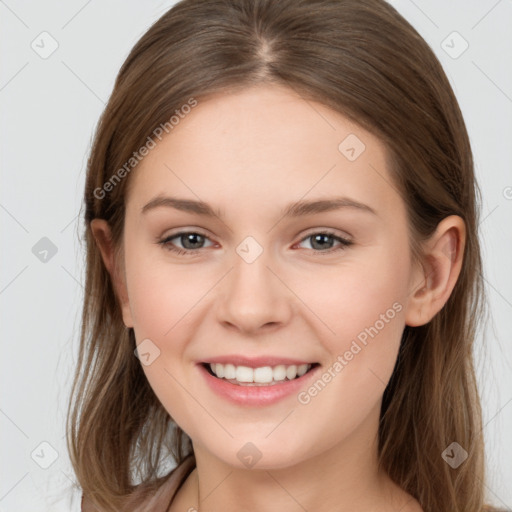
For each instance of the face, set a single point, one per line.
(257, 284)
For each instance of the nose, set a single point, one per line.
(254, 297)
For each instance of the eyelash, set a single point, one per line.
(166, 242)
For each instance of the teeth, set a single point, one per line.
(291, 372)
(229, 371)
(302, 369)
(243, 374)
(219, 370)
(261, 375)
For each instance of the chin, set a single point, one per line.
(259, 455)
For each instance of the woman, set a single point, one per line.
(274, 373)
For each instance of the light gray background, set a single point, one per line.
(49, 109)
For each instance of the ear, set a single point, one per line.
(444, 252)
(103, 236)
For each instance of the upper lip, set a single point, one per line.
(255, 362)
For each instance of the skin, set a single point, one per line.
(250, 154)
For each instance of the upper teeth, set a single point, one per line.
(262, 375)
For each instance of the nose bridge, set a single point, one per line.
(253, 295)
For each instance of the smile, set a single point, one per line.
(261, 376)
(257, 386)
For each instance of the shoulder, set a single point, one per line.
(154, 497)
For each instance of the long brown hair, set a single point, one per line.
(364, 60)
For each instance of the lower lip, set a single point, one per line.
(256, 395)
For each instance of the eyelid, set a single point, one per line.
(328, 231)
(185, 231)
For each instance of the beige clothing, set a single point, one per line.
(159, 501)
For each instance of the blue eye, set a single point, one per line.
(191, 239)
(186, 238)
(319, 239)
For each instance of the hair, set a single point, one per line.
(349, 56)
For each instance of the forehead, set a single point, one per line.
(261, 145)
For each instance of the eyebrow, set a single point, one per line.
(297, 209)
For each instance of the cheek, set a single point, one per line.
(365, 312)
(360, 297)
(162, 295)
(369, 305)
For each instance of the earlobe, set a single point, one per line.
(442, 265)
(103, 237)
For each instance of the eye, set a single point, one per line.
(320, 240)
(190, 240)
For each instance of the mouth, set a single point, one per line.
(260, 376)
